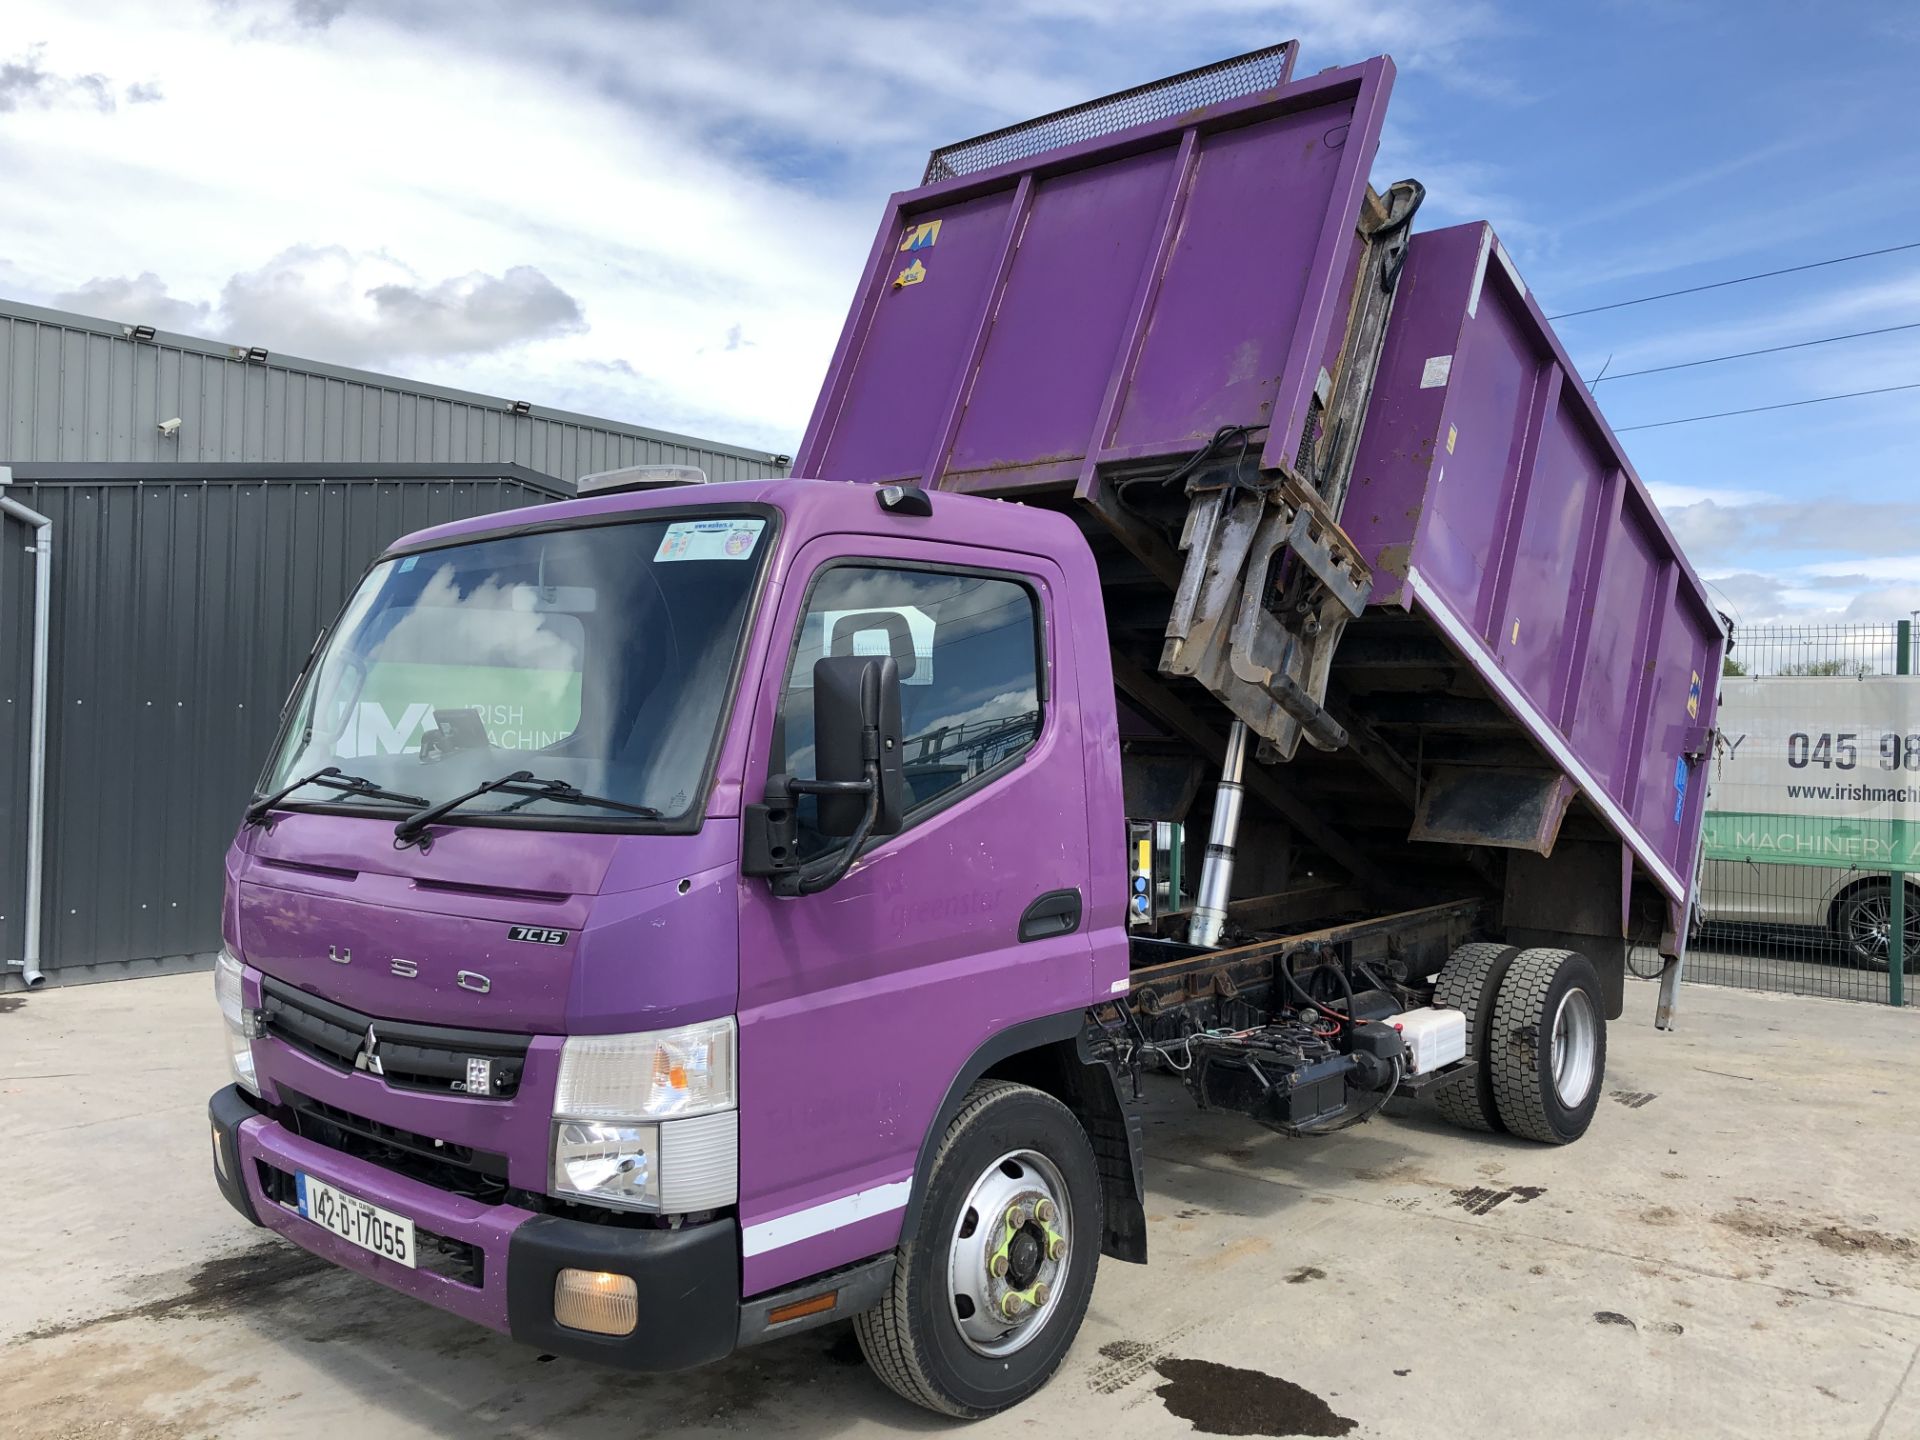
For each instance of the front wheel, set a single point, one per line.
(991, 1288)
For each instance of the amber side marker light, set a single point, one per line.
(813, 1305)
(596, 1301)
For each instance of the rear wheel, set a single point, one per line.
(1865, 924)
(1470, 982)
(991, 1289)
(1547, 1048)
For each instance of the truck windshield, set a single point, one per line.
(600, 657)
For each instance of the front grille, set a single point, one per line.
(458, 1260)
(329, 1125)
(409, 1057)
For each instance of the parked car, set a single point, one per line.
(1853, 907)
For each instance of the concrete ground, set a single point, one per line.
(1731, 1251)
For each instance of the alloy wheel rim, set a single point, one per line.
(1872, 926)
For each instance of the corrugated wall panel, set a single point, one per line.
(74, 388)
(182, 611)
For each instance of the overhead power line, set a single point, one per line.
(1744, 354)
(1737, 280)
(1756, 409)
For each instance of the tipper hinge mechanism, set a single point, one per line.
(1269, 584)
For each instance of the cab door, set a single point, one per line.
(859, 1005)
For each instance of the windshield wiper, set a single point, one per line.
(412, 830)
(333, 779)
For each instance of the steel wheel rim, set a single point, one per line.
(1575, 1047)
(1033, 1278)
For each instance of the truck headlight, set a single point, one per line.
(608, 1162)
(233, 1010)
(648, 1121)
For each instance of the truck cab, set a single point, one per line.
(550, 1059)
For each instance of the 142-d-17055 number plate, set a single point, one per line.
(357, 1221)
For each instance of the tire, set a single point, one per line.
(1864, 925)
(1470, 982)
(1547, 1047)
(921, 1339)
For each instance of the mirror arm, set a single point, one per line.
(830, 870)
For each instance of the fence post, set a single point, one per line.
(1897, 910)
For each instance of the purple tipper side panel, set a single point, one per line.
(1490, 494)
(1101, 302)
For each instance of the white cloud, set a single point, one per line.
(1670, 497)
(685, 174)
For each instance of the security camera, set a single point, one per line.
(170, 428)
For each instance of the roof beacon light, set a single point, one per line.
(640, 477)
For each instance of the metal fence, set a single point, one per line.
(1820, 898)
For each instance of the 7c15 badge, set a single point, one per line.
(537, 934)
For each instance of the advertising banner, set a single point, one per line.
(1817, 770)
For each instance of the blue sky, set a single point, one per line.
(657, 212)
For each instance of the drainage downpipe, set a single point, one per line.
(42, 549)
(1216, 873)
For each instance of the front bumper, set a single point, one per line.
(688, 1279)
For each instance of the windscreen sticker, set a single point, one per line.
(408, 563)
(710, 540)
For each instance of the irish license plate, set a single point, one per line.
(357, 1221)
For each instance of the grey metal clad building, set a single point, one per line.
(186, 578)
(76, 388)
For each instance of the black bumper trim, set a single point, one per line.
(688, 1279)
(227, 1110)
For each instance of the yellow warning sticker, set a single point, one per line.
(912, 275)
(1453, 434)
(920, 237)
(1516, 634)
(1693, 697)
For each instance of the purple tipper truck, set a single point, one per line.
(688, 914)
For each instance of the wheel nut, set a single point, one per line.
(1043, 1212)
(1011, 1306)
(1016, 1216)
(1056, 1247)
(998, 1265)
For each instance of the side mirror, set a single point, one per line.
(856, 717)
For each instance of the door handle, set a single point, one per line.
(1055, 913)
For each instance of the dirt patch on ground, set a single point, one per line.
(1479, 1199)
(219, 1286)
(1828, 1235)
(1226, 1400)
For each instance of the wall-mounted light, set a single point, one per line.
(139, 332)
(521, 407)
(783, 460)
(256, 355)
